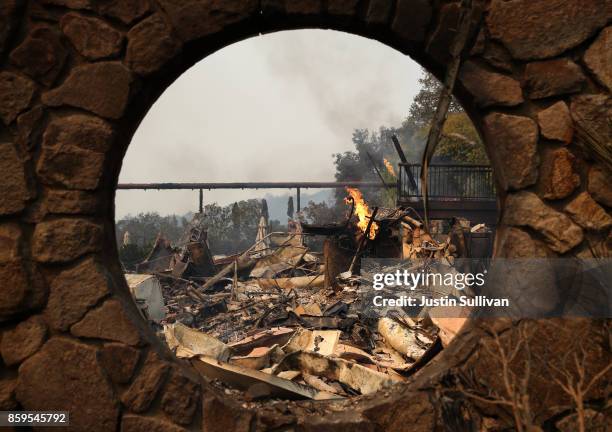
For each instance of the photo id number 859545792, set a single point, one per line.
(34, 418)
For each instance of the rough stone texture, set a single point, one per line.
(150, 45)
(24, 340)
(516, 243)
(594, 114)
(91, 37)
(63, 240)
(413, 410)
(119, 361)
(13, 188)
(68, 305)
(556, 123)
(341, 421)
(342, 7)
(598, 58)
(497, 56)
(541, 29)
(513, 144)
(70, 167)
(558, 178)
(73, 148)
(65, 376)
(16, 93)
(10, 241)
(587, 213)
(135, 423)
(145, 387)
(110, 322)
(444, 34)
(187, 18)
(181, 397)
(102, 88)
(7, 394)
(599, 185)
(70, 202)
(489, 88)
(526, 209)
(411, 19)
(302, 7)
(378, 12)
(553, 77)
(223, 415)
(79, 130)
(28, 128)
(41, 55)
(127, 11)
(23, 288)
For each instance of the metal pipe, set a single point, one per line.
(253, 185)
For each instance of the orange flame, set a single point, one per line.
(362, 211)
(389, 167)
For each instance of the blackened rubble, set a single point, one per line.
(282, 321)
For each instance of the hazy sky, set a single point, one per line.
(270, 108)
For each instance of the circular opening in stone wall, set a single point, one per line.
(266, 191)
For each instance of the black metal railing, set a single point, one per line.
(467, 182)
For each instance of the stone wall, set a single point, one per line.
(76, 77)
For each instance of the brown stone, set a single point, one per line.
(73, 292)
(302, 7)
(63, 240)
(489, 88)
(558, 178)
(109, 322)
(553, 77)
(127, 11)
(516, 243)
(79, 130)
(7, 394)
(28, 128)
(526, 209)
(442, 38)
(598, 58)
(342, 7)
(556, 123)
(41, 55)
(150, 45)
(23, 288)
(587, 213)
(379, 12)
(224, 415)
(136, 423)
(70, 167)
(599, 185)
(10, 241)
(593, 113)
(13, 188)
(497, 56)
(411, 19)
(513, 145)
(594, 421)
(16, 93)
(102, 88)
(537, 29)
(145, 387)
(70, 202)
(24, 340)
(181, 397)
(91, 37)
(119, 361)
(340, 421)
(413, 411)
(65, 376)
(188, 17)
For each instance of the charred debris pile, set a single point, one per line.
(281, 321)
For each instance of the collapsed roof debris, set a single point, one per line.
(280, 320)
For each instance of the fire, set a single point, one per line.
(362, 211)
(389, 167)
